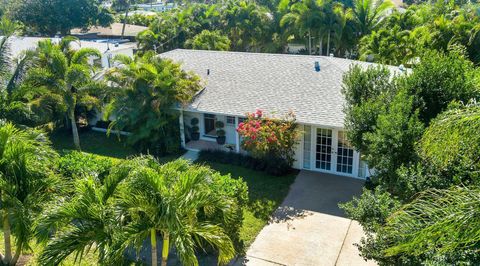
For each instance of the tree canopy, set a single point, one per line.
(60, 16)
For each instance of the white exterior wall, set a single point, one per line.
(358, 170)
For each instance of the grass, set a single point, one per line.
(93, 142)
(29, 258)
(100, 144)
(265, 193)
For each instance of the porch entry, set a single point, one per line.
(331, 151)
(209, 122)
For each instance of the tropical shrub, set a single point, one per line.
(237, 190)
(27, 182)
(441, 222)
(270, 139)
(146, 90)
(271, 167)
(209, 40)
(191, 207)
(451, 145)
(78, 164)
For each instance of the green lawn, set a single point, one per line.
(265, 193)
(93, 142)
(99, 144)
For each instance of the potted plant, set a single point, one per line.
(195, 129)
(220, 132)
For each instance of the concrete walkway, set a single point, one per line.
(309, 228)
(190, 156)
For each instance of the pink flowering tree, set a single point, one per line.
(269, 138)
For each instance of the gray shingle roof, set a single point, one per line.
(276, 83)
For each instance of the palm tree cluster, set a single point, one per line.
(251, 26)
(403, 37)
(143, 93)
(139, 200)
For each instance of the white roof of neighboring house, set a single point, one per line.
(115, 29)
(276, 83)
(19, 44)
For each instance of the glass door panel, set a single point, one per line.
(323, 153)
(344, 154)
(209, 122)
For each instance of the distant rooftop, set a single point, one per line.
(19, 44)
(114, 30)
(237, 83)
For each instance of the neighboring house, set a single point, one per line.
(237, 83)
(106, 48)
(157, 7)
(114, 31)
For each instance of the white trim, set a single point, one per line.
(104, 130)
(182, 129)
(237, 136)
(244, 116)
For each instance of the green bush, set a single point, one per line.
(238, 190)
(269, 164)
(219, 124)
(77, 164)
(194, 121)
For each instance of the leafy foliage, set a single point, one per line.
(137, 197)
(269, 138)
(146, 91)
(209, 40)
(450, 144)
(62, 78)
(77, 165)
(26, 180)
(51, 17)
(444, 222)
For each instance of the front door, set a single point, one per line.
(209, 122)
(323, 159)
(333, 153)
(345, 154)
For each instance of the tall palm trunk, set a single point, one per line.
(71, 116)
(6, 237)
(125, 19)
(165, 248)
(328, 43)
(153, 240)
(309, 43)
(320, 44)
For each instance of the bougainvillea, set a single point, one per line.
(269, 138)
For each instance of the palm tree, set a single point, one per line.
(146, 88)
(343, 37)
(60, 70)
(26, 182)
(304, 17)
(440, 221)
(81, 222)
(367, 14)
(170, 200)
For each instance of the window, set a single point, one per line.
(241, 119)
(231, 120)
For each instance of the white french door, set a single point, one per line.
(333, 153)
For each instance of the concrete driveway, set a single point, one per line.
(309, 228)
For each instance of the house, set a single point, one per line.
(237, 83)
(107, 48)
(157, 6)
(114, 31)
